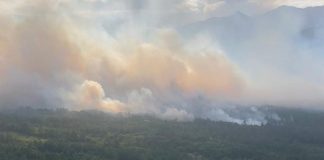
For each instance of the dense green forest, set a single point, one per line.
(42, 134)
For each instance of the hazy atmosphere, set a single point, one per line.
(174, 59)
(161, 79)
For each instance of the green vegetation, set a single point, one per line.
(40, 134)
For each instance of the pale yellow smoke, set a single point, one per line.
(90, 95)
(164, 67)
(159, 68)
(64, 53)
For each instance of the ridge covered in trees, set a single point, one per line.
(60, 134)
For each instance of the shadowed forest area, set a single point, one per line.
(161, 80)
(28, 133)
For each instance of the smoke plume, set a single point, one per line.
(118, 57)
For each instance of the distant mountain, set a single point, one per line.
(296, 26)
(234, 27)
(311, 17)
(239, 22)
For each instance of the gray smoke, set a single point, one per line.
(157, 57)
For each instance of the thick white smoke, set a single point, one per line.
(119, 57)
(54, 57)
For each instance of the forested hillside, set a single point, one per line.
(42, 134)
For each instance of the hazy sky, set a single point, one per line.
(130, 56)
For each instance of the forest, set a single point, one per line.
(60, 134)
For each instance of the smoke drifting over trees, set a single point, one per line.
(129, 57)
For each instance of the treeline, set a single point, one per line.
(28, 134)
